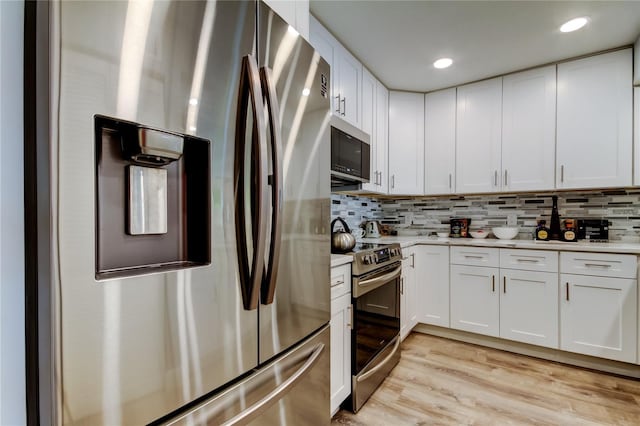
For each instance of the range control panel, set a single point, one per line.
(373, 258)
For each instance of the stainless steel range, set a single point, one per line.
(375, 336)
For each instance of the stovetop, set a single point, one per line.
(368, 246)
(368, 257)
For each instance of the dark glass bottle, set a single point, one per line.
(569, 231)
(554, 226)
(542, 232)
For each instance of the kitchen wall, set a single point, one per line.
(12, 351)
(429, 214)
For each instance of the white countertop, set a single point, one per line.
(610, 247)
(340, 259)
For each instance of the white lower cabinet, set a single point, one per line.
(341, 323)
(474, 299)
(598, 316)
(529, 307)
(432, 284)
(515, 304)
(599, 305)
(408, 305)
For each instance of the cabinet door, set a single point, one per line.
(432, 284)
(369, 117)
(408, 315)
(349, 81)
(529, 130)
(594, 142)
(598, 316)
(529, 307)
(406, 143)
(440, 142)
(327, 46)
(474, 299)
(341, 312)
(382, 137)
(478, 130)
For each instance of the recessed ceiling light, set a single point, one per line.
(574, 24)
(306, 91)
(443, 63)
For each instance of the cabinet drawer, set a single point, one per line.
(340, 280)
(475, 256)
(599, 264)
(529, 260)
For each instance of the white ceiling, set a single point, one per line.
(399, 40)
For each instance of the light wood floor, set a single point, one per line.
(444, 382)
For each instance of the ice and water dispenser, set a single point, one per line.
(152, 199)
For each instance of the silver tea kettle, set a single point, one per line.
(341, 241)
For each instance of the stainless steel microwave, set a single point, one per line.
(350, 154)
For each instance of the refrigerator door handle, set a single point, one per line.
(259, 407)
(250, 279)
(273, 108)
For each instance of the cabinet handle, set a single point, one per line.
(468, 256)
(493, 283)
(597, 265)
(350, 324)
(413, 260)
(338, 98)
(527, 260)
(344, 104)
(567, 291)
(505, 178)
(562, 173)
(495, 178)
(504, 285)
(449, 180)
(339, 282)
(380, 178)
(393, 181)
(401, 285)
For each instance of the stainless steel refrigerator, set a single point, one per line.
(177, 184)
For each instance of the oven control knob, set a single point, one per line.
(374, 258)
(366, 259)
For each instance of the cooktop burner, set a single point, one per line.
(367, 246)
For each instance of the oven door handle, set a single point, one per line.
(373, 371)
(381, 279)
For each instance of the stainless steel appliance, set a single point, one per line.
(350, 156)
(375, 335)
(342, 241)
(178, 246)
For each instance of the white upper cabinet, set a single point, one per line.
(529, 130)
(346, 74)
(295, 13)
(440, 142)
(382, 137)
(406, 143)
(348, 83)
(369, 117)
(326, 45)
(594, 134)
(478, 129)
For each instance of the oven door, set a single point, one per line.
(376, 330)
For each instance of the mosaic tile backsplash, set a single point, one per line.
(422, 216)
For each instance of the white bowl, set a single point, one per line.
(480, 233)
(505, 232)
(443, 234)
